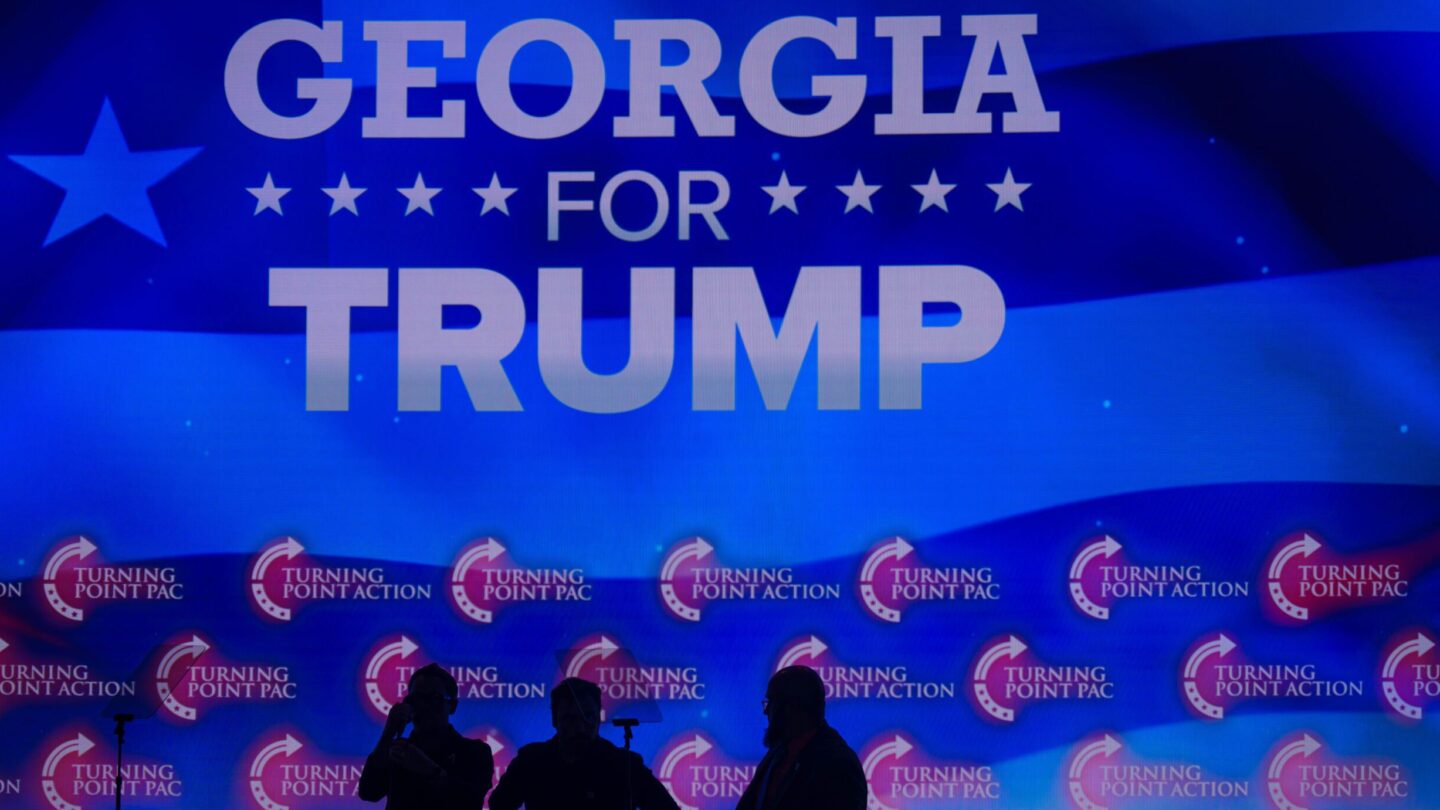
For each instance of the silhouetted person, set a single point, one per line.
(436, 768)
(809, 766)
(577, 769)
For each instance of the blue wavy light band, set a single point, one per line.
(1224, 384)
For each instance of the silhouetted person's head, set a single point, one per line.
(575, 710)
(794, 704)
(433, 695)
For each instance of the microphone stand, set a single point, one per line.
(120, 721)
(628, 724)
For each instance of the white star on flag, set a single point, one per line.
(1008, 192)
(343, 196)
(494, 196)
(782, 194)
(268, 196)
(419, 196)
(857, 194)
(933, 193)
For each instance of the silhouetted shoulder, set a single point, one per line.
(833, 745)
(827, 776)
(534, 749)
(600, 775)
(477, 749)
(529, 760)
(613, 750)
(841, 779)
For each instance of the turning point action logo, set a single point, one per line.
(483, 579)
(1007, 675)
(190, 676)
(77, 774)
(901, 776)
(1099, 777)
(1305, 579)
(1407, 683)
(891, 578)
(876, 682)
(36, 680)
(699, 775)
(385, 678)
(1099, 578)
(1298, 774)
(281, 579)
(690, 577)
(74, 579)
(1216, 676)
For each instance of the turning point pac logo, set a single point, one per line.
(483, 579)
(599, 659)
(1306, 579)
(76, 773)
(699, 775)
(1007, 675)
(75, 579)
(901, 776)
(285, 771)
(1100, 576)
(869, 682)
(690, 577)
(1300, 775)
(892, 578)
(282, 578)
(189, 677)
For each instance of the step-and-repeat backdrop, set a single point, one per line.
(1057, 379)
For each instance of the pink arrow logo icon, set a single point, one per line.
(896, 548)
(694, 748)
(80, 746)
(1221, 646)
(1305, 546)
(402, 649)
(693, 549)
(808, 649)
(1303, 747)
(1105, 747)
(892, 749)
(489, 550)
(602, 649)
(1011, 648)
(285, 748)
(1419, 646)
(289, 549)
(1105, 547)
(194, 648)
(77, 549)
